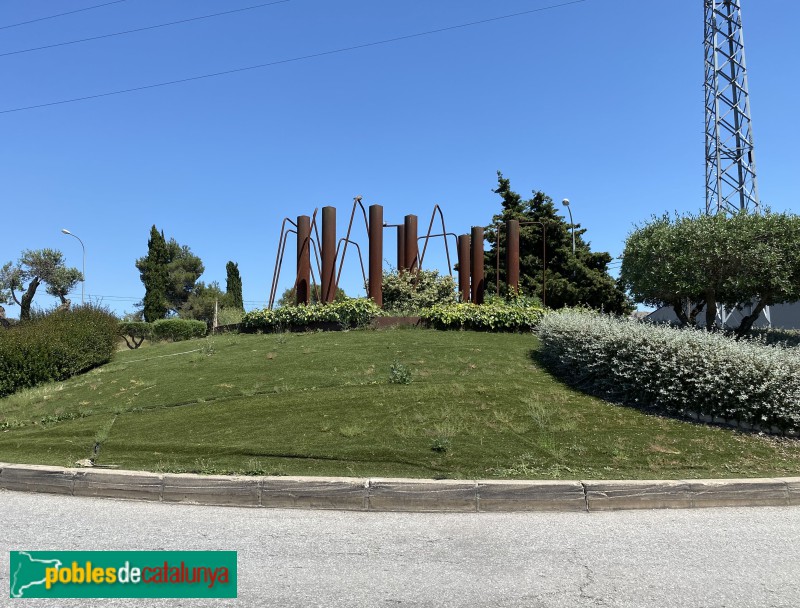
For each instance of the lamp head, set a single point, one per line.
(565, 202)
(65, 231)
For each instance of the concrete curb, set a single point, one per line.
(406, 495)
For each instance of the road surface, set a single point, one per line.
(695, 558)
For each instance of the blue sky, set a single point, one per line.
(600, 102)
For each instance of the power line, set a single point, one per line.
(80, 10)
(142, 29)
(295, 59)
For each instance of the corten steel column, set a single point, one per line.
(478, 283)
(328, 254)
(512, 255)
(303, 259)
(401, 248)
(411, 247)
(376, 254)
(463, 267)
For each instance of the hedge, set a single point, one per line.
(685, 372)
(178, 329)
(55, 347)
(350, 312)
(496, 316)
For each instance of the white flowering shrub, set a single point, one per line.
(678, 371)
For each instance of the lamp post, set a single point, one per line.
(565, 202)
(83, 271)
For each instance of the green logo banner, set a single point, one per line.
(128, 574)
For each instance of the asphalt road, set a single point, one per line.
(694, 558)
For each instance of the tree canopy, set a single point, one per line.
(569, 280)
(706, 260)
(34, 267)
(169, 273)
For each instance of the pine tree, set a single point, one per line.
(233, 286)
(569, 280)
(154, 275)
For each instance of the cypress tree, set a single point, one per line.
(233, 286)
(154, 275)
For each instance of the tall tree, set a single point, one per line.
(569, 280)
(180, 267)
(233, 286)
(183, 270)
(154, 275)
(35, 267)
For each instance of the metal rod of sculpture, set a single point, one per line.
(401, 247)
(360, 257)
(317, 245)
(463, 266)
(544, 258)
(444, 235)
(356, 203)
(328, 270)
(279, 260)
(478, 284)
(302, 281)
(375, 283)
(436, 209)
(411, 262)
(512, 255)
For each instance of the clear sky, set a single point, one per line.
(599, 101)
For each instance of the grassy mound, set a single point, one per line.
(477, 406)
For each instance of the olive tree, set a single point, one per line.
(34, 267)
(707, 260)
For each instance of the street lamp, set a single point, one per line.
(565, 202)
(83, 272)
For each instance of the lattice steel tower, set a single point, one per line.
(731, 184)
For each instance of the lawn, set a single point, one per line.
(478, 406)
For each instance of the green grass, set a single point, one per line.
(477, 406)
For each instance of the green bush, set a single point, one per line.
(496, 316)
(135, 332)
(677, 371)
(408, 292)
(350, 312)
(178, 329)
(55, 347)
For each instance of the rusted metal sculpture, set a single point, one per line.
(328, 252)
(401, 247)
(512, 255)
(347, 240)
(302, 284)
(544, 256)
(375, 283)
(478, 283)
(463, 267)
(444, 234)
(328, 271)
(411, 262)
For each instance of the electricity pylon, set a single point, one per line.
(731, 185)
